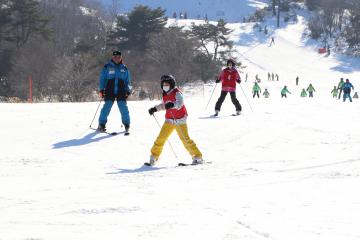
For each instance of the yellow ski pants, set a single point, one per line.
(183, 134)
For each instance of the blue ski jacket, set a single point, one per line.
(347, 87)
(115, 79)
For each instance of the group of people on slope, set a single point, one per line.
(115, 85)
(345, 89)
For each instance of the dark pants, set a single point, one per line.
(233, 99)
(340, 93)
(311, 94)
(283, 95)
(347, 95)
(256, 93)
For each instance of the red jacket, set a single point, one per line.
(228, 78)
(177, 112)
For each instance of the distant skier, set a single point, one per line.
(246, 77)
(272, 41)
(115, 84)
(297, 80)
(347, 90)
(284, 91)
(269, 76)
(272, 76)
(277, 77)
(334, 92)
(356, 95)
(266, 93)
(256, 90)
(257, 79)
(340, 87)
(303, 93)
(311, 90)
(228, 77)
(175, 119)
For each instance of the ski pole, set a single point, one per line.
(96, 112)
(172, 149)
(210, 97)
(246, 98)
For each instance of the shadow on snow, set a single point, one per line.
(136, 170)
(87, 139)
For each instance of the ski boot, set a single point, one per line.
(197, 160)
(152, 161)
(127, 127)
(101, 127)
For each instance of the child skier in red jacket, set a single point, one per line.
(176, 115)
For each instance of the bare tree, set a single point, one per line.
(73, 79)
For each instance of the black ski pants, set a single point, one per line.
(222, 98)
(256, 93)
(340, 93)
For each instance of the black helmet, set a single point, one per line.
(230, 61)
(169, 79)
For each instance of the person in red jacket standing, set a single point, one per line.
(175, 119)
(228, 77)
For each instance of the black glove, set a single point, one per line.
(127, 94)
(238, 81)
(169, 105)
(152, 110)
(217, 80)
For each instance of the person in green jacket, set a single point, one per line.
(340, 86)
(284, 91)
(303, 93)
(266, 93)
(311, 90)
(256, 90)
(334, 92)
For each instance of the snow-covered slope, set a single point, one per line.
(289, 169)
(231, 10)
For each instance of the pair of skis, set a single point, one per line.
(181, 164)
(126, 133)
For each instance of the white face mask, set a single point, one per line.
(166, 88)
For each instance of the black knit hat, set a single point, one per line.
(116, 53)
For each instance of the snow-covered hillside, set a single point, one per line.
(231, 10)
(289, 169)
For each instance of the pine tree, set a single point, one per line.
(218, 35)
(28, 21)
(5, 22)
(133, 31)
